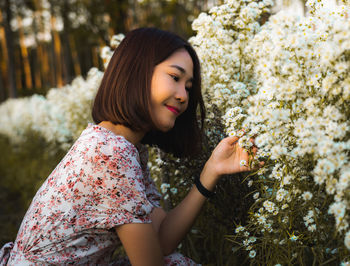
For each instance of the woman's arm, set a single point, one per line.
(141, 244)
(145, 244)
(225, 159)
(175, 224)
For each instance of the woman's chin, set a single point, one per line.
(166, 128)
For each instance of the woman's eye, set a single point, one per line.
(188, 88)
(176, 78)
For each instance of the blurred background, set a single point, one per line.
(46, 43)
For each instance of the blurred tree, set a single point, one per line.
(8, 47)
(46, 43)
(173, 15)
(24, 55)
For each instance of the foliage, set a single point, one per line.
(22, 170)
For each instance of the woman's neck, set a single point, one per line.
(131, 136)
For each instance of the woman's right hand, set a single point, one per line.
(229, 158)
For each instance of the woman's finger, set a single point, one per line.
(232, 140)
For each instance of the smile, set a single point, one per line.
(173, 109)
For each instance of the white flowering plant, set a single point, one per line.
(59, 117)
(62, 114)
(299, 116)
(221, 36)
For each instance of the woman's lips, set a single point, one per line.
(173, 109)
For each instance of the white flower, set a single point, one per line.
(252, 239)
(338, 209)
(250, 183)
(261, 219)
(310, 3)
(269, 206)
(344, 179)
(293, 237)
(164, 187)
(256, 195)
(281, 193)
(173, 190)
(246, 242)
(252, 253)
(312, 228)
(239, 229)
(307, 195)
(243, 163)
(347, 240)
(240, 133)
(116, 39)
(232, 134)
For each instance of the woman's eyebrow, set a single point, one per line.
(181, 69)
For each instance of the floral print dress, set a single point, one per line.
(102, 182)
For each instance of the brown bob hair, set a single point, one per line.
(124, 94)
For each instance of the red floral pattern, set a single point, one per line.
(103, 181)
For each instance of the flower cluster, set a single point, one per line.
(309, 221)
(286, 83)
(300, 113)
(107, 51)
(62, 114)
(221, 36)
(59, 117)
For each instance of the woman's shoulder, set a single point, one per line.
(102, 140)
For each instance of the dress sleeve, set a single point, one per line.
(116, 192)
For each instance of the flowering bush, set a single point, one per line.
(220, 40)
(288, 84)
(300, 111)
(59, 117)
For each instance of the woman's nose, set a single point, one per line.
(182, 94)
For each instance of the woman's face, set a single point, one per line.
(170, 86)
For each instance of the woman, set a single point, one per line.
(101, 195)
